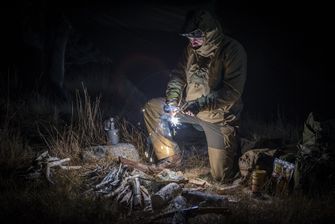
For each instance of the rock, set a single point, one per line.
(169, 175)
(124, 150)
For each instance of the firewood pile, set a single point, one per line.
(121, 185)
(163, 195)
(139, 192)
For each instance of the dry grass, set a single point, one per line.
(294, 209)
(277, 128)
(37, 202)
(15, 153)
(85, 129)
(132, 134)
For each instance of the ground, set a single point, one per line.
(26, 131)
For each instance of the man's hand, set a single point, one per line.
(171, 106)
(191, 108)
(209, 101)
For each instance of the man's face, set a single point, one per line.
(196, 42)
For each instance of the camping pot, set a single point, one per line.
(257, 180)
(112, 132)
(113, 136)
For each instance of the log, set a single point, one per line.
(178, 202)
(136, 192)
(197, 197)
(164, 195)
(125, 201)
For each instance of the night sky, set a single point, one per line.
(288, 46)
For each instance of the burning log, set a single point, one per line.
(164, 195)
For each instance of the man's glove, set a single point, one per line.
(197, 105)
(192, 106)
(170, 105)
(208, 101)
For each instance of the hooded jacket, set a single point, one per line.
(218, 67)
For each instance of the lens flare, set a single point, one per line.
(174, 121)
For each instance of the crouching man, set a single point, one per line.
(204, 90)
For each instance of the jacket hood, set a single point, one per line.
(206, 22)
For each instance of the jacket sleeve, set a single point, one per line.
(177, 81)
(235, 74)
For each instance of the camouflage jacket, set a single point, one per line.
(218, 66)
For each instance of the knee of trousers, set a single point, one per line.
(163, 146)
(221, 162)
(155, 104)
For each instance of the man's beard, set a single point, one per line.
(196, 47)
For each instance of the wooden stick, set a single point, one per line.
(57, 163)
(137, 193)
(140, 166)
(146, 199)
(199, 182)
(125, 201)
(70, 167)
(43, 155)
(123, 193)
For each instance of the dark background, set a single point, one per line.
(288, 46)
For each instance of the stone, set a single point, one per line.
(125, 150)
